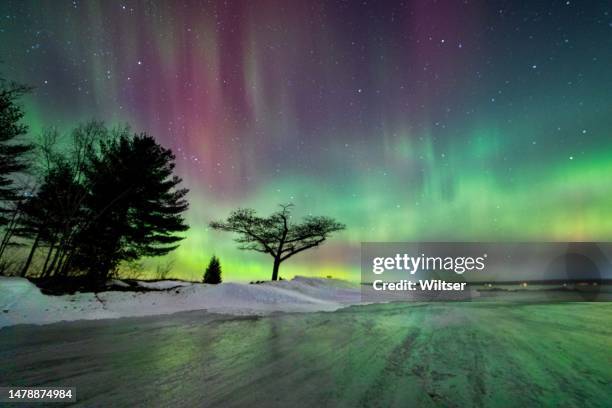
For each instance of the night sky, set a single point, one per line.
(414, 120)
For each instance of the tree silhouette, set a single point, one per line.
(134, 205)
(213, 271)
(12, 151)
(277, 235)
(49, 215)
(13, 155)
(56, 213)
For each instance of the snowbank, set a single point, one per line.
(163, 284)
(21, 302)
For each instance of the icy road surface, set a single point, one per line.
(436, 354)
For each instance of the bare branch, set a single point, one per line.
(303, 248)
(277, 231)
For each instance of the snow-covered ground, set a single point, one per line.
(21, 302)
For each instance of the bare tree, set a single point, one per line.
(162, 270)
(54, 213)
(277, 235)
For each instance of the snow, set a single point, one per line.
(163, 284)
(119, 283)
(21, 302)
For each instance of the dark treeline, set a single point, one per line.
(92, 200)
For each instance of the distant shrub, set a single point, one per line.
(213, 271)
(163, 270)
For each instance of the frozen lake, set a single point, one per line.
(435, 354)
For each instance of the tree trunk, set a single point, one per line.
(60, 264)
(66, 266)
(49, 272)
(24, 271)
(275, 269)
(10, 229)
(47, 259)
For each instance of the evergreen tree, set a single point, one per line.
(13, 157)
(134, 205)
(213, 271)
(13, 151)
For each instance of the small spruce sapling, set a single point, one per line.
(213, 271)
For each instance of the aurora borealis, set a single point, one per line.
(414, 120)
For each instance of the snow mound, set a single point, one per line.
(21, 302)
(163, 284)
(321, 288)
